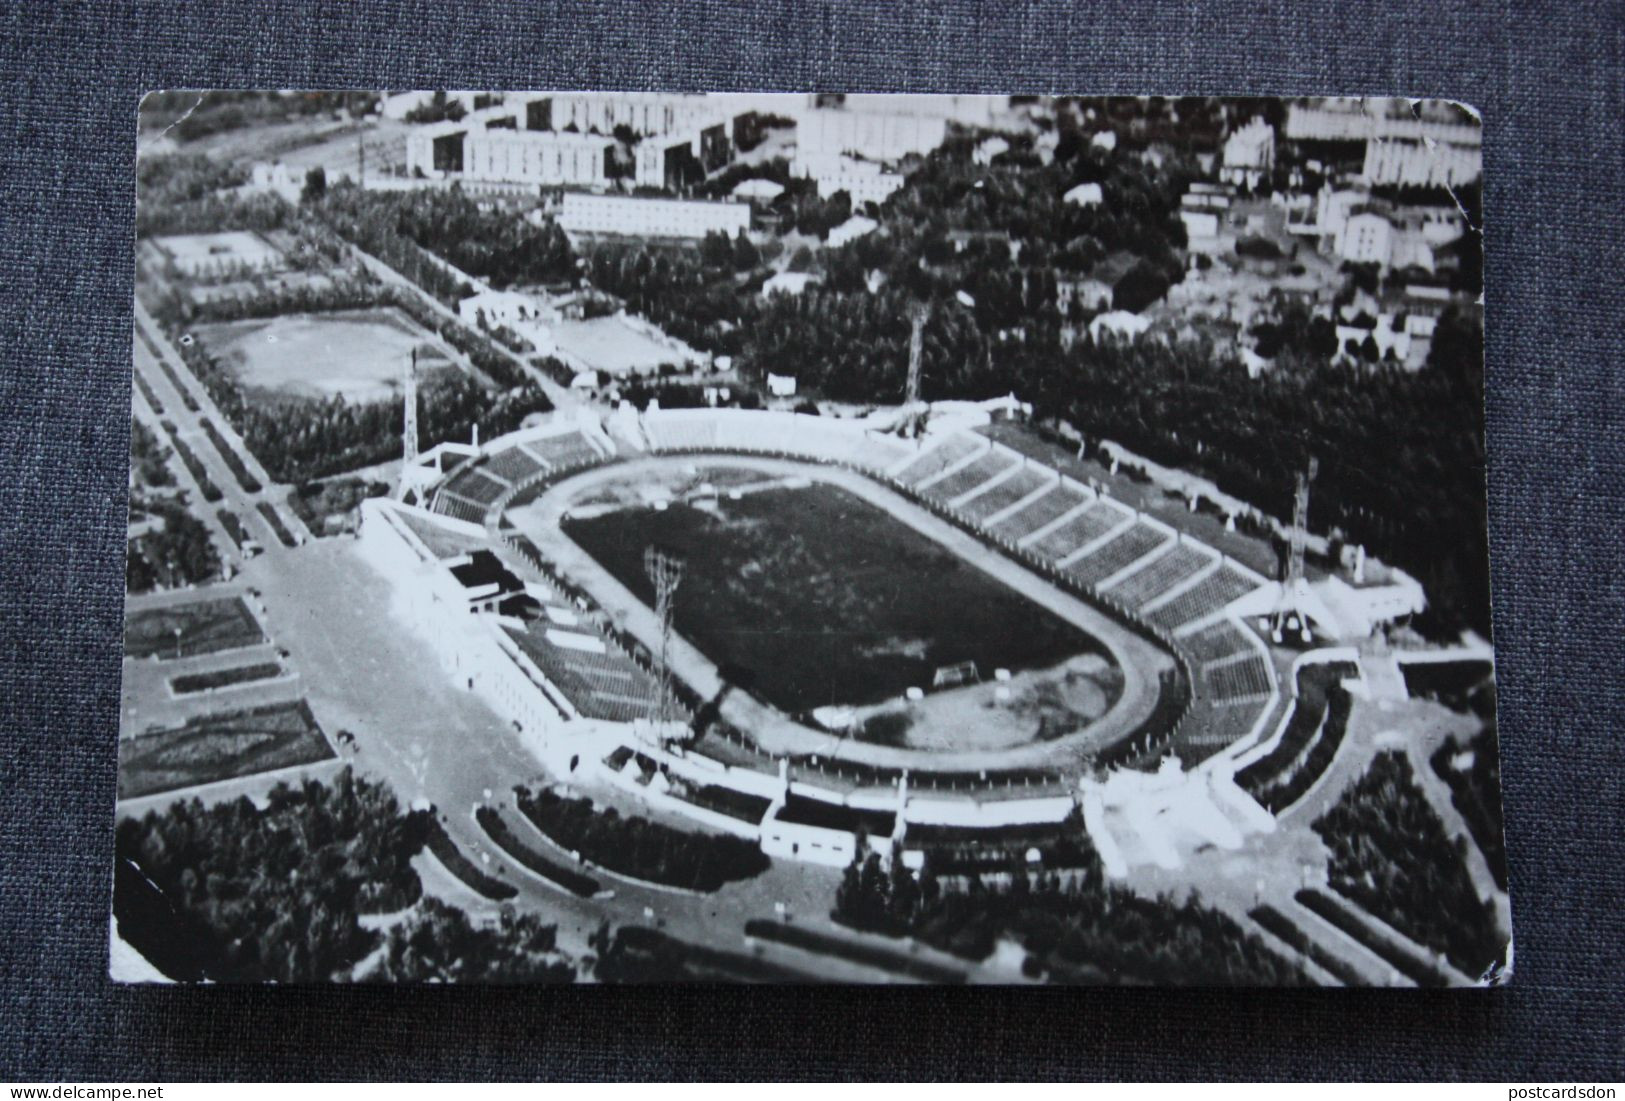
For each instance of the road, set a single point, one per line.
(363, 670)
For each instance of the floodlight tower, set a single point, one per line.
(409, 433)
(1298, 540)
(665, 570)
(919, 312)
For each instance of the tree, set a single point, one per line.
(1138, 288)
(315, 185)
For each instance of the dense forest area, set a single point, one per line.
(232, 893)
(1401, 453)
(484, 241)
(177, 552)
(1390, 853)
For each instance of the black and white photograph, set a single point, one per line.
(639, 537)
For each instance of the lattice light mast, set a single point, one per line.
(665, 570)
(919, 312)
(1293, 582)
(409, 433)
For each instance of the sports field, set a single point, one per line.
(358, 354)
(186, 630)
(821, 598)
(220, 747)
(203, 253)
(613, 346)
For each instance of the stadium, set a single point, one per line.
(858, 632)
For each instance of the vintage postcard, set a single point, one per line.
(637, 537)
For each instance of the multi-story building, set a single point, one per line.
(492, 150)
(544, 159)
(1404, 163)
(873, 135)
(1249, 155)
(676, 160)
(647, 217)
(863, 181)
(645, 114)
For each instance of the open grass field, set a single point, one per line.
(356, 354)
(203, 253)
(186, 630)
(220, 747)
(821, 598)
(611, 345)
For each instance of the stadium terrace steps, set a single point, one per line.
(1205, 598)
(477, 486)
(684, 434)
(1222, 639)
(1046, 513)
(982, 474)
(1133, 567)
(1155, 576)
(950, 474)
(450, 504)
(1075, 534)
(933, 462)
(1240, 677)
(515, 464)
(1116, 553)
(1010, 496)
(605, 685)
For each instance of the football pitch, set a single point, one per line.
(357, 354)
(811, 596)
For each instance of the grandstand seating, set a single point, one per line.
(1217, 727)
(1005, 494)
(440, 542)
(1045, 510)
(877, 453)
(967, 478)
(514, 465)
(1215, 641)
(935, 461)
(1080, 531)
(458, 508)
(1145, 585)
(475, 485)
(601, 686)
(1245, 678)
(1118, 552)
(565, 450)
(682, 433)
(1204, 598)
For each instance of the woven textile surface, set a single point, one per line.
(1549, 82)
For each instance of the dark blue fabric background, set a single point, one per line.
(1549, 82)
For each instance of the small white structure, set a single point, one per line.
(788, 282)
(988, 149)
(781, 386)
(1120, 324)
(1085, 194)
(851, 229)
(758, 191)
(1105, 139)
(817, 832)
